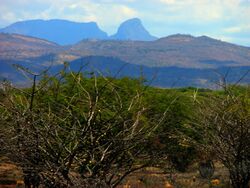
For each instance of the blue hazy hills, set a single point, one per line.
(114, 67)
(66, 32)
(59, 31)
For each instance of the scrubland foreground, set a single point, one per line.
(84, 130)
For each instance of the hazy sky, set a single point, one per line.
(228, 20)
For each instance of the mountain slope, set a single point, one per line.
(26, 51)
(176, 50)
(20, 47)
(59, 31)
(132, 30)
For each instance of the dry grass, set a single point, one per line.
(156, 178)
(145, 178)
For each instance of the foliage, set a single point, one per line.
(225, 125)
(71, 124)
(80, 130)
(168, 143)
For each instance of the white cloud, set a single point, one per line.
(235, 29)
(238, 29)
(108, 16)
(202, 10)
(168, 1)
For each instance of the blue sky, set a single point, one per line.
(228, 20)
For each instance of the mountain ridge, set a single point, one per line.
(176, 50)
(62, 32)
(66, 32)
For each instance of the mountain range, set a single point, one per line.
(175, 50)
(66, 32)
(177, 60)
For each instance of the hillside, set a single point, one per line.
(176, 50)
(20, 47)
(23, 50)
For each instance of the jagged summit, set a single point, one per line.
(133, 29)
(66, 32)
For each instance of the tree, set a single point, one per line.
(224, 121)
(72, 130)
(168, 142)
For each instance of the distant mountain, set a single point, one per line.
(65, 32)
(132, 30)
(62, 32)
(175, 50)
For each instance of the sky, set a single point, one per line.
(227, 20)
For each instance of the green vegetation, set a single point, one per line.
(79, 130)
(225, 120)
